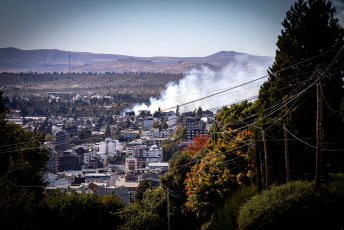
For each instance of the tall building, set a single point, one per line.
(109, 148)
(52, 162)
(69, 161)
(62, 141)
(193, 126)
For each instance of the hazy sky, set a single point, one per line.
(182, 28)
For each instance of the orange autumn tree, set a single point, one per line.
(220, 171)
(198, 144)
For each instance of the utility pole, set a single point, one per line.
(259, 173)
(69, 61)
(267, 178)
(286, 149)
(215, 134)
(319, 131)
(168, 210)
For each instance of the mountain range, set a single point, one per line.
(51, 60)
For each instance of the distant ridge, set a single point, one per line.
(51, 60)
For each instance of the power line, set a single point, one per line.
(292, 66)
(217, 93)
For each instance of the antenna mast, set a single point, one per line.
(69, 61)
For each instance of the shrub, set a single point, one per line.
(296, 205)
(226, 216)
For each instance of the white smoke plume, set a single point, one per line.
(199, 83)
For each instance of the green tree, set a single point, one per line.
(24, 112)
(22, 171)
(169, 148)
(311, 35)
(22, 157)
(164, 125)
(148, 213)
(295, 205)
(70, 210)
(156, 124)
(173, 180)
(140, 190)
(107, 132)
(99, 124)
(199, 112)
(3, 108)
(180, 133)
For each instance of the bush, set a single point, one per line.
(71, 210)
(226, 216)
(297, 205)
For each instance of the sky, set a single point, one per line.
(144, 28)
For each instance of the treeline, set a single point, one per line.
(46, 106)
(44, 82)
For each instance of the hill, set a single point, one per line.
(44, 60)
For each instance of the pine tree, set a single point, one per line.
(311, 35)
(107, 132)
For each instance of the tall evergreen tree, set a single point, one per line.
(22, 173)
(3, 109)
(311, 37)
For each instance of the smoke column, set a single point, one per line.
(199, 83)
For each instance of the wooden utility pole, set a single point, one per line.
(258, 171)
(286, 149)
(215, 134)
(168, 210)
(319, 131)
(266, 156)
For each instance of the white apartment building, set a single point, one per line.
(155, 133)
(110, 147)
(148, 123)
(172, 120)
(154, 154)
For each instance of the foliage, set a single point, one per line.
(22, 170)
(198, 144)
(148, 213)
(224, 166)
(22, 159)
(3, 108)
(17, 205)
(84, 134)
(180, 133)
(179, 165)
(173, 180)
(156, 124)
(235, 116)
(226, 216)
(169, 148)
(311, 35)
(199, 112)
(294, 204)
(107, 132)
(140, 190)
(71, 210)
